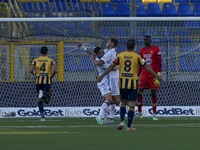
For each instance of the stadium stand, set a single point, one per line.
(169, 9)
(108, 10)
(153, 9)
(182, 34)
(140, 10)
(122, 10)
(153, 34)
(184, 9)
(196, 9)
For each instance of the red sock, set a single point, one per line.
(154, 104)
(139, 103)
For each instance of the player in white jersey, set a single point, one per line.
(113, 77)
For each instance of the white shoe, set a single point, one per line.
(42, 119)
(40, 94)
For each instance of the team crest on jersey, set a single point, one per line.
(151, 52)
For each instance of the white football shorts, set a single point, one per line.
(114, 86)
(103, 87)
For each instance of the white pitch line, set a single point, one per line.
(96, 126)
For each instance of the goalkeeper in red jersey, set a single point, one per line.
(152, 56)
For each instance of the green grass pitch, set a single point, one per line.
(168, 133)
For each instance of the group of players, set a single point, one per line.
(117, 81)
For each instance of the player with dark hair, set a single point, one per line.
(128, 62)
(113, 77)
(152, 57)
(43, 66)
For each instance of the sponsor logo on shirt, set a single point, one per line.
(148, 61)
(147, 55)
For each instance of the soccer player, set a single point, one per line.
(128, 62)
(113, 77)
(43, 65)
(152, 57)
(104, 88)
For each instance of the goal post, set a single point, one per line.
(74, 85)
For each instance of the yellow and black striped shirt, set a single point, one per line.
(43, 65)
(128, 62)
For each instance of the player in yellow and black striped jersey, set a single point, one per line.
(43, 66)
(128, 62)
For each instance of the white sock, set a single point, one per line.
(127, 109)
(105, 115)
(112, 110)
(103, 109)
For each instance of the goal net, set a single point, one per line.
(74, 85)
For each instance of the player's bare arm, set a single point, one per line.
(109, 69)
(86, 49)
(115, 68)
(31, 69)
(54, 70)
(96, 62)
(148, 69)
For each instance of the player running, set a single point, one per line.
(152, 57)
(43, 66)
(128, 62)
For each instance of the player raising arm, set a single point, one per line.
(128, 62)
(152, 57)
(43, 66)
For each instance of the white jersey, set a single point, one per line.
(108, 58)
(104, 84)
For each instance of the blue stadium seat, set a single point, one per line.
(170, 35)
(194, 62)
(108, 10)
(169, 9)
(72, 0)
(153, 34)
(140, 10)
(57, 0)
(45, 9)
(184, 9)
(92, 7)
(191, 24)
(172, 49)
(118, 0)
(186, 49)
(122, 34)
(180, 0)
(77, 7)
(70, 63)
(58, 8)
(162, 49)
(183, 64)
(140, 36)
(122, 10)
(29, 9)
(153, 9)
(104, 33)
(183, 33)
(85, 64)
(196, 9)
(136, 0)
(194, 0)
(123, 48)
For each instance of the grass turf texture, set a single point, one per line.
(169, 133)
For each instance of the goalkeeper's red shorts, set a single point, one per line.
(147, 83)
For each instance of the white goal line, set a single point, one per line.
(59, 19)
